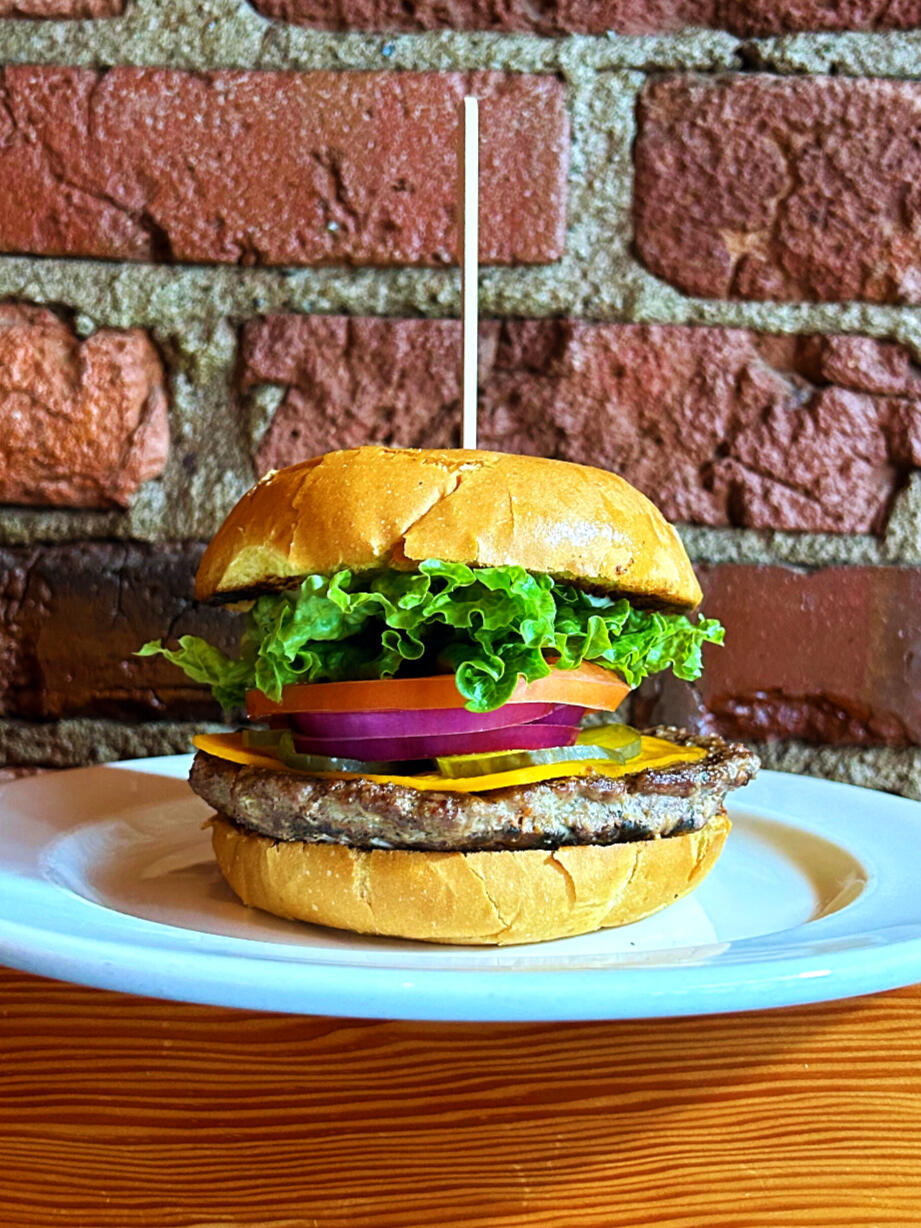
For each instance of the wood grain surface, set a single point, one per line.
(121, 1111)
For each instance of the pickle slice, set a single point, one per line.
(456, 766)
(623, 738)
(262, 739)
(281, 743)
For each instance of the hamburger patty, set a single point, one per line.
(593, 809)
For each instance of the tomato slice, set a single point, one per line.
(589, 686)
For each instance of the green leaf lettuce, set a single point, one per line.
(490, 625)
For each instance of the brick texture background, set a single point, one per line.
(274, 168)
(99, 598)
(598, 16)
(798, 432)
(83, 424)
(233, 247)
(770, 189)
(830, 657)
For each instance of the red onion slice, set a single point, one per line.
(561, 714)
(420, 721)
(428, 746)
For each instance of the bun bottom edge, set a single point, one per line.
(466, 899)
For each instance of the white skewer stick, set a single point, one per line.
(469, 234)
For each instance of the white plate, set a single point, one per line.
(107, 878)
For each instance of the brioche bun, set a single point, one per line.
(494, 898)
(377, 507)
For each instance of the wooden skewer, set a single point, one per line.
(469, 252)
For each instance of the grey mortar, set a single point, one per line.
(893, 769)
(894, 54)
(231, 34)
(193, 312)
(71, 743)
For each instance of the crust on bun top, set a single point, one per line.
(371, 507)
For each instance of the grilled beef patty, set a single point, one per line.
(593, 809)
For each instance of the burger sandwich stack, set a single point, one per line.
(434, 644)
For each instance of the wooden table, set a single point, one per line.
(121, 1111)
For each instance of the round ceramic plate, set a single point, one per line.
(107, 878)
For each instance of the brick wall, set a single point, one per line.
(233, 247)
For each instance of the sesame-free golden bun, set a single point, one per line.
(372, 507)
(491, 898)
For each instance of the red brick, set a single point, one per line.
(747, 17)
(862, 363)
(71, 617)
(766, 188)
(833, 657)
(719, 426)
(756, 17)
(275, 167)
(61, 8)
(348, 380)
(549, 17)
(82, 423)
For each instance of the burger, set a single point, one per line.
(434, 644)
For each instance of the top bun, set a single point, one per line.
(373, 507)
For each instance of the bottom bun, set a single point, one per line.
(494, 898)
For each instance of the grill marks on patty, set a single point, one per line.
(593, 809)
